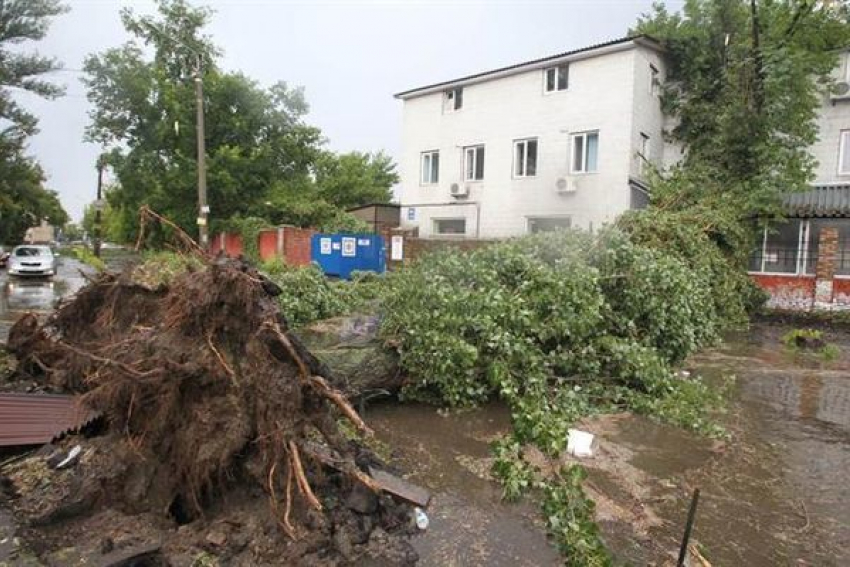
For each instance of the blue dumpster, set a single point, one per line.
(340, 254)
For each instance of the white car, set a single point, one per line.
(32, 260)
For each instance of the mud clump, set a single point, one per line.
(211, 415)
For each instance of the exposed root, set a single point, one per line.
(339, 400)
(301, 478)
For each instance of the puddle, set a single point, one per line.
(22, 295)
(40, 295)
(776, 493)
(450, 454)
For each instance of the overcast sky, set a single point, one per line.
(350, 55)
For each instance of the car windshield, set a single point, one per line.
(28, 251)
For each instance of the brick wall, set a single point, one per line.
(229, 244)
(295, 246)
(415, 248)
(822, 291)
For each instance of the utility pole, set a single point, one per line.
(98, 207)
(203, 208)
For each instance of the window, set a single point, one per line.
(643, 156)
(430, 167)
(844, 153)
(557, 78)
(780, 249)
(548, 224)
(585, 152)
(654, 81)
(473, 163)
(453, 99)
(525, 158)
(450, 226)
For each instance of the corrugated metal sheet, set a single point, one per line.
(32, 419)
(822, 201)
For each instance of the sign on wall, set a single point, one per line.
(397, 248)
(349, 247)
(325, 246)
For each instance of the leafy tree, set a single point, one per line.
(356, 178)
(21, 21)
(23, 199)
(745, 80)
(144, 110)
(263, 160)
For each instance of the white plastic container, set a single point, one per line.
(580, 443)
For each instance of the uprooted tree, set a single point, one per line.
(204, 391)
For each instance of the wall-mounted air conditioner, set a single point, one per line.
(841, 91)
(459, 190)
(565, 185)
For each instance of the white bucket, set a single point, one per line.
(580, 443)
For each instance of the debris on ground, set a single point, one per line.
(212, 415)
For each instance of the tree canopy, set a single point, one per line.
(24, 201)
(745, 81)
(263, 159)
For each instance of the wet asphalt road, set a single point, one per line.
(39, 295)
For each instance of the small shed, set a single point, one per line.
(379, 216)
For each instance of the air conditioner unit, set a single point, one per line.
(565, 185)
(458, 190)
(840, 91)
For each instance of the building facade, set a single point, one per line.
(563, 141)
(804, 260)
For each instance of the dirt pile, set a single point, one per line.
(212, 413)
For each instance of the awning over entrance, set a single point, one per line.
(822, 201)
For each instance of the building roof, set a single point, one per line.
(389, 205)
(33, 419)
(584, 52)
(821, 201)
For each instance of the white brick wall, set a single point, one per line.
(834, 117)
(608, 93)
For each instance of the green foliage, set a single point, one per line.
(745, 81)
(516, 476)
(86, 256)
(801, 341)
(161, 267)
(262, 157)
(248, 228)
(349, 180)
(568, 513)
(308, 295)
(713, 245)
(24, 201)
(656, 299)
(23, 21)
(559, 326)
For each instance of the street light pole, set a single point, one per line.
(203, 208)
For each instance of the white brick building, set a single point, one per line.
(558, 141)
(547, 143)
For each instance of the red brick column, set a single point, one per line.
(825, 270)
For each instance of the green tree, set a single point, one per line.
(353, 179)
(144, 113)
(22, 21)
(23, 199)
(745, 80)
